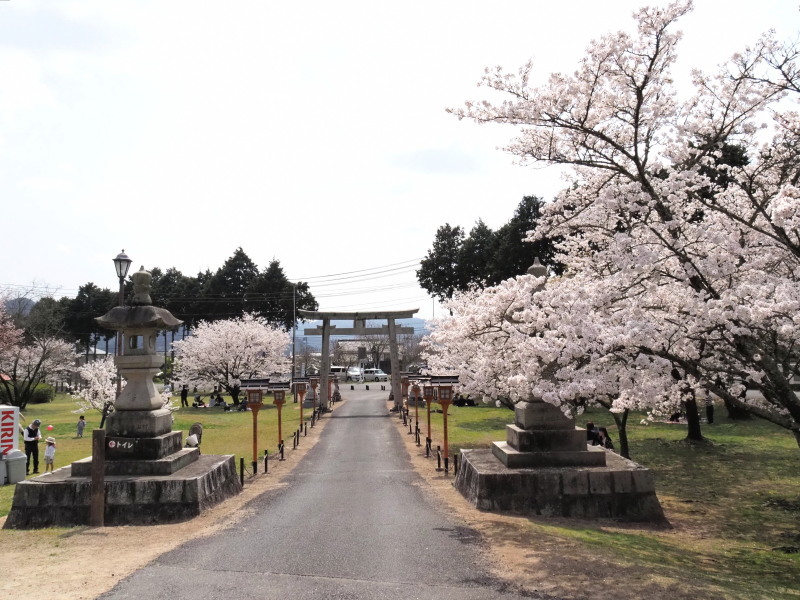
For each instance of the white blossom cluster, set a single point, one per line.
(99, 385)
(679, 233)
(225, 352)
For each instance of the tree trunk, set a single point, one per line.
(693, 433)
(235, 390)
(736, 413)
(622, 420)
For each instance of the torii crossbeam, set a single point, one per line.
(359, 328)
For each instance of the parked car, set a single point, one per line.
(355, 374)
(375, 375)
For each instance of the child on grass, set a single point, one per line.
(49, 454)
(80, 426)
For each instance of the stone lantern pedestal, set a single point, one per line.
(546, 468)
(149, 477)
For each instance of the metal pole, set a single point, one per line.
(118, 348)
(294, 329)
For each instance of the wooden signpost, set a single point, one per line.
(255, 401)
(280, 400)
(300, 391)
(445, 398)
(415, 391)
(314, 384)
(427, 393)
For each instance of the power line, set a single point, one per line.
(406, 263)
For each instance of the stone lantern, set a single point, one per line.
(148, 477)
(138, 410)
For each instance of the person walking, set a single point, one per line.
(185, 396)
(80, 426)
(31, 437)
(49, 454)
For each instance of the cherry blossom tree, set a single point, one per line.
(10, 336)
(686, 263)
(225, 352)
(26, 365)
(98, 388)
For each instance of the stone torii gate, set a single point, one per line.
(359, 328)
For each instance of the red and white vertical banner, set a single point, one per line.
(9, 428)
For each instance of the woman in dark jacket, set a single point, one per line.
(603, 439)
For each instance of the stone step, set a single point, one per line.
(163, 466)
(511, 458)
(538, 440)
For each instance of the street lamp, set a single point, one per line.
(122, 263)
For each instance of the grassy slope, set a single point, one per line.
(734, 502)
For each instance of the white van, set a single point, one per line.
(375, 375)
(355, 374)
(340, 372)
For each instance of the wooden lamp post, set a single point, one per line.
(445, 398)
(404, 392)
(427, 393)
(314, 385)
(254, 402)
(415, 392)
(300, 390)
(280, 400)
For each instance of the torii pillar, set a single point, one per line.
(359, 328)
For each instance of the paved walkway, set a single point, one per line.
(351, 524)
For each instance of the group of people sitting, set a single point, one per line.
(214, 400)
(598, 436)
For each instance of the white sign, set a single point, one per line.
(9, 428)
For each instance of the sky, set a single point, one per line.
(313, 133)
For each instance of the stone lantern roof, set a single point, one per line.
(141, 314)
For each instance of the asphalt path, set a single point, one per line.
(353, 523)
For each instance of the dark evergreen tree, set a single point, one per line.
(45, 319)
(224, 293)
(439, 270)
(514, 255)
(456, 263)
(81, 311)
(476, 257)
(275, 298)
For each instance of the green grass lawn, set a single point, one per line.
(734, 502)
(223, 432)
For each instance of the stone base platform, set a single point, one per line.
(619, 490)
(59, 499)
